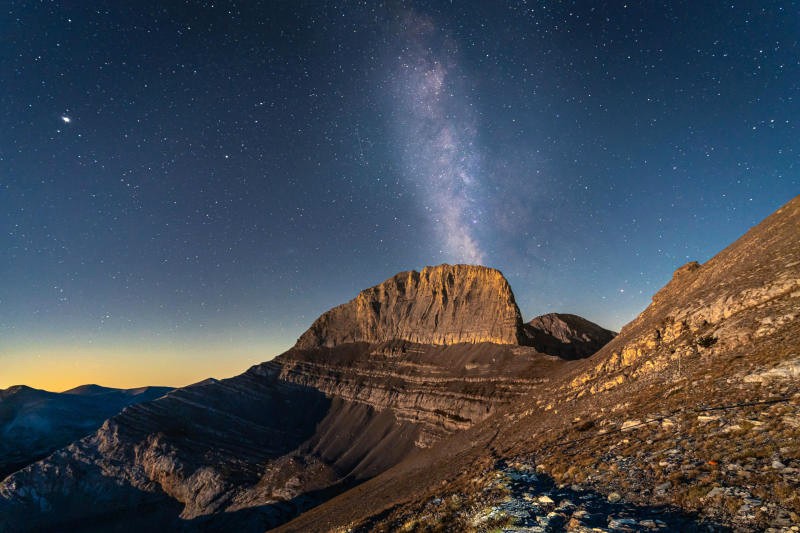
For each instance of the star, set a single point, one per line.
(66, 119)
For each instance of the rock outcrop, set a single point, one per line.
(442, 305)
(564, 335)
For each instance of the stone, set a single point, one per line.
(614, 497)
(574, 523)
(624, 524)
(663, 487)
(565, 505)
(630, 424)
(556, 520)
(704, 419)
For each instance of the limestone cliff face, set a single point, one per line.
(442, 305)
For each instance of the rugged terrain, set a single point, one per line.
(412, 408)
(34, 423)
(373, 382)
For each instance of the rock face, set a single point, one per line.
(564, 335)
(34, 423)
(445, 304)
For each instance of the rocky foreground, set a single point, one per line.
(426, 404)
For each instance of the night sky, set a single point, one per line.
(185, 187)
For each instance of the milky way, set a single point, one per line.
(438, 139)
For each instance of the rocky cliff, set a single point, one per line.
(745, 293)
(445, 304)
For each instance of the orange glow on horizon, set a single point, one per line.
(61, 368)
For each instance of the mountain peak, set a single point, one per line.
(89, 389)
(441, 305)
(565, 335)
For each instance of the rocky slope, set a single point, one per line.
(373, 383)
(34, 423)
(686, 421)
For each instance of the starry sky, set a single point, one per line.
(186, 186)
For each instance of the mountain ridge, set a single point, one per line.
(36, 422)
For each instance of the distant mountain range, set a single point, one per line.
(426, 404)
(34, 423)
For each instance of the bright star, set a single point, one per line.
(66, 119)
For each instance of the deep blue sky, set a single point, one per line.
(185, 187)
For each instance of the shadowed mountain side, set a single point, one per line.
(34, 423)
(564, 335)
(189, 447)
(441, 389)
